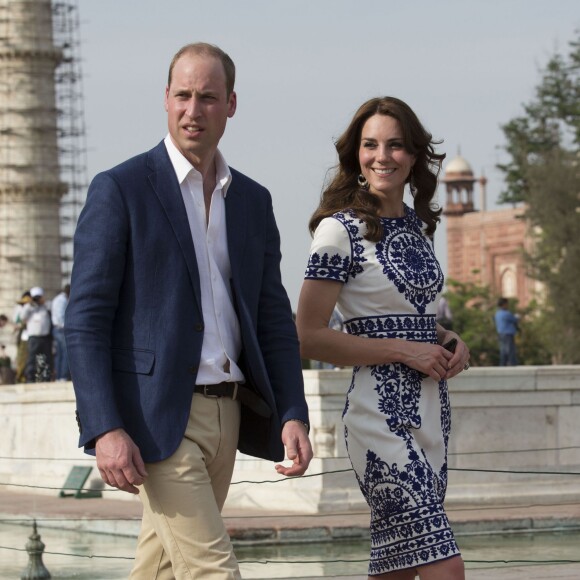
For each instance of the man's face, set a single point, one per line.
(198, 107)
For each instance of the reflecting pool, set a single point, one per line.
(86, 556)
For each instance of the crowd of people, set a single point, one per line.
(32, 347)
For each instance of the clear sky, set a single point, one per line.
(304, 67)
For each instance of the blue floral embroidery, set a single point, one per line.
(420, 328)
(408, 524)
(445, 427)
(328, 267)
(355, 370)
(337, 267)
(399, 389)
(408, 260)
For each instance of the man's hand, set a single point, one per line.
(298, 448)
(119, 461)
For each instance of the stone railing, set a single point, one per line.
(503, 420)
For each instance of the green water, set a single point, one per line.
(67, 554)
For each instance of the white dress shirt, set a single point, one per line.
(222, 341)
(57, 309)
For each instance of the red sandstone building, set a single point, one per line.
(484, 247)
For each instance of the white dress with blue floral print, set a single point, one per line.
(396, 422)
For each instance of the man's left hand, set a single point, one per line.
(298, 449)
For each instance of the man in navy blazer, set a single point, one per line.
(180, 335)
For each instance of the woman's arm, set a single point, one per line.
(317, 341)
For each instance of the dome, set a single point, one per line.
(458, 165)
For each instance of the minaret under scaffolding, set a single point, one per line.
(42, 154)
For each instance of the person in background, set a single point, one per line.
(57, 310)
(7, 335)
(21, 337)
(36, 316)
(506, 325)
(444, 315)
(7, 374)
(180, 335)
(372, 255)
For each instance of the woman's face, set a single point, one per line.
(384, 161)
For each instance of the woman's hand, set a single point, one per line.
(435, 361)
(429, 359)
(460, 360)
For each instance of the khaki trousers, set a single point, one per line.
(182, 534)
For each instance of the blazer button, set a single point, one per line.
(198, 327)
(192, 370)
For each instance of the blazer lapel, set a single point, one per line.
(236, 220)
(165, 184)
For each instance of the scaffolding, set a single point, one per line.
(42, 144)
(71, 124)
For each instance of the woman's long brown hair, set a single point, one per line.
(344, 192)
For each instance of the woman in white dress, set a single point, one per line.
(372, 256)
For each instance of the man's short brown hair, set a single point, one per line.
(206, 49)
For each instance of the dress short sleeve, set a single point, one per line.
(330, 252)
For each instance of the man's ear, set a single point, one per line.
(232, 104)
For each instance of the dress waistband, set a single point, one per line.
(419, 327)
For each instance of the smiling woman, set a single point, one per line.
(385, 163)
(384, 134)
(372, 257)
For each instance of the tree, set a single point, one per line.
(551, 122)
(473, 308)
(544, 172)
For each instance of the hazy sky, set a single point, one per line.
(304, 67)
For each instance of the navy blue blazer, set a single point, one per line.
(134, 324)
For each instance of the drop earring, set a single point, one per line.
(362, 181)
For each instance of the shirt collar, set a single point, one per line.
(183, 168)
